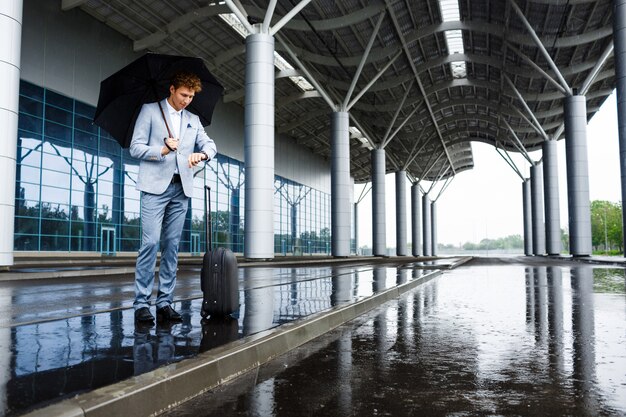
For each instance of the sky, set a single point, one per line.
(486, 201)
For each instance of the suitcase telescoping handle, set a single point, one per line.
(207, 218)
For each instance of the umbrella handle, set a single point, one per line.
(165, 120)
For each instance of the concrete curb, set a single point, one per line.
(98, 269)
(72, 273)
(166, 387)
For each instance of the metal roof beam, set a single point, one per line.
(498, 30)
(364, 193)
(519, 142)
(444, 169)
(368, 48)
(481, 27)
(445, 186)
(537, 68)
(397, 113)
(405, 47)
(309, 76)
(430, 165)
(268, 15)
(179, 23)
(591, 78)
(438, 178)
(510, 162)
(286, 18)
(362, 130)
(242, 18)
(492, 86)
(360, 15)
(608, 52)
(541, 47)
(386, 142)
(528, 121)
(414, 153)
(373, 80)
(530, 112)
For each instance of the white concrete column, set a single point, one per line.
(416, 220)
(433, 227)
(577, 176)
(528, 218)
(259, 147)
(379, 229)
(551, 197)
(426, 225)
(10, 50)
(341, 185)
(401, 237)
(536, 190)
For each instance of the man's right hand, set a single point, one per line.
(171, 144)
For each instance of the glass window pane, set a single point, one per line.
(30, 124)
(56, 132)
(58, 116)
(30, 106)
(85, 124)
(31, 90)
(59, 100)
(84, 110)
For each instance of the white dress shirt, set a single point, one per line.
(176, 117)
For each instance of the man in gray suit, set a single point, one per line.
(168, 153)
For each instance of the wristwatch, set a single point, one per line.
(206, 156)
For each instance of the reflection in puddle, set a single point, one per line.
(609, 280)
(484, 340)
(47, 361)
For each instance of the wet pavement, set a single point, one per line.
(67, 336)
(512, 336)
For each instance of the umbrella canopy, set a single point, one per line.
(146, 80)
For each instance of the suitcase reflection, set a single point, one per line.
(217, 331)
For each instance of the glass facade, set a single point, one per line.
(75, 190)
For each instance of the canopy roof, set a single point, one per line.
(502, 82)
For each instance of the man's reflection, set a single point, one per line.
(146, 345)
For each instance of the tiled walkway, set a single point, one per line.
(506, 337)
(67, 336)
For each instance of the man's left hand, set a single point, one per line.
(195, 158)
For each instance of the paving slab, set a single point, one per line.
(71, 343)
(505, 337)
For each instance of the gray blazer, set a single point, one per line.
(156, 171)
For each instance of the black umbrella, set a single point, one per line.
(147, 80)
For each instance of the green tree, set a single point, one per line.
(565, 240)
(606, 225)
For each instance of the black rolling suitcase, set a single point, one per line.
(219, 277)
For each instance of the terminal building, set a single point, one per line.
(319, 95)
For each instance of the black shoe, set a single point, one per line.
(143, 315)
(167, 313)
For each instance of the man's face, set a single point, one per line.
(180, 97)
